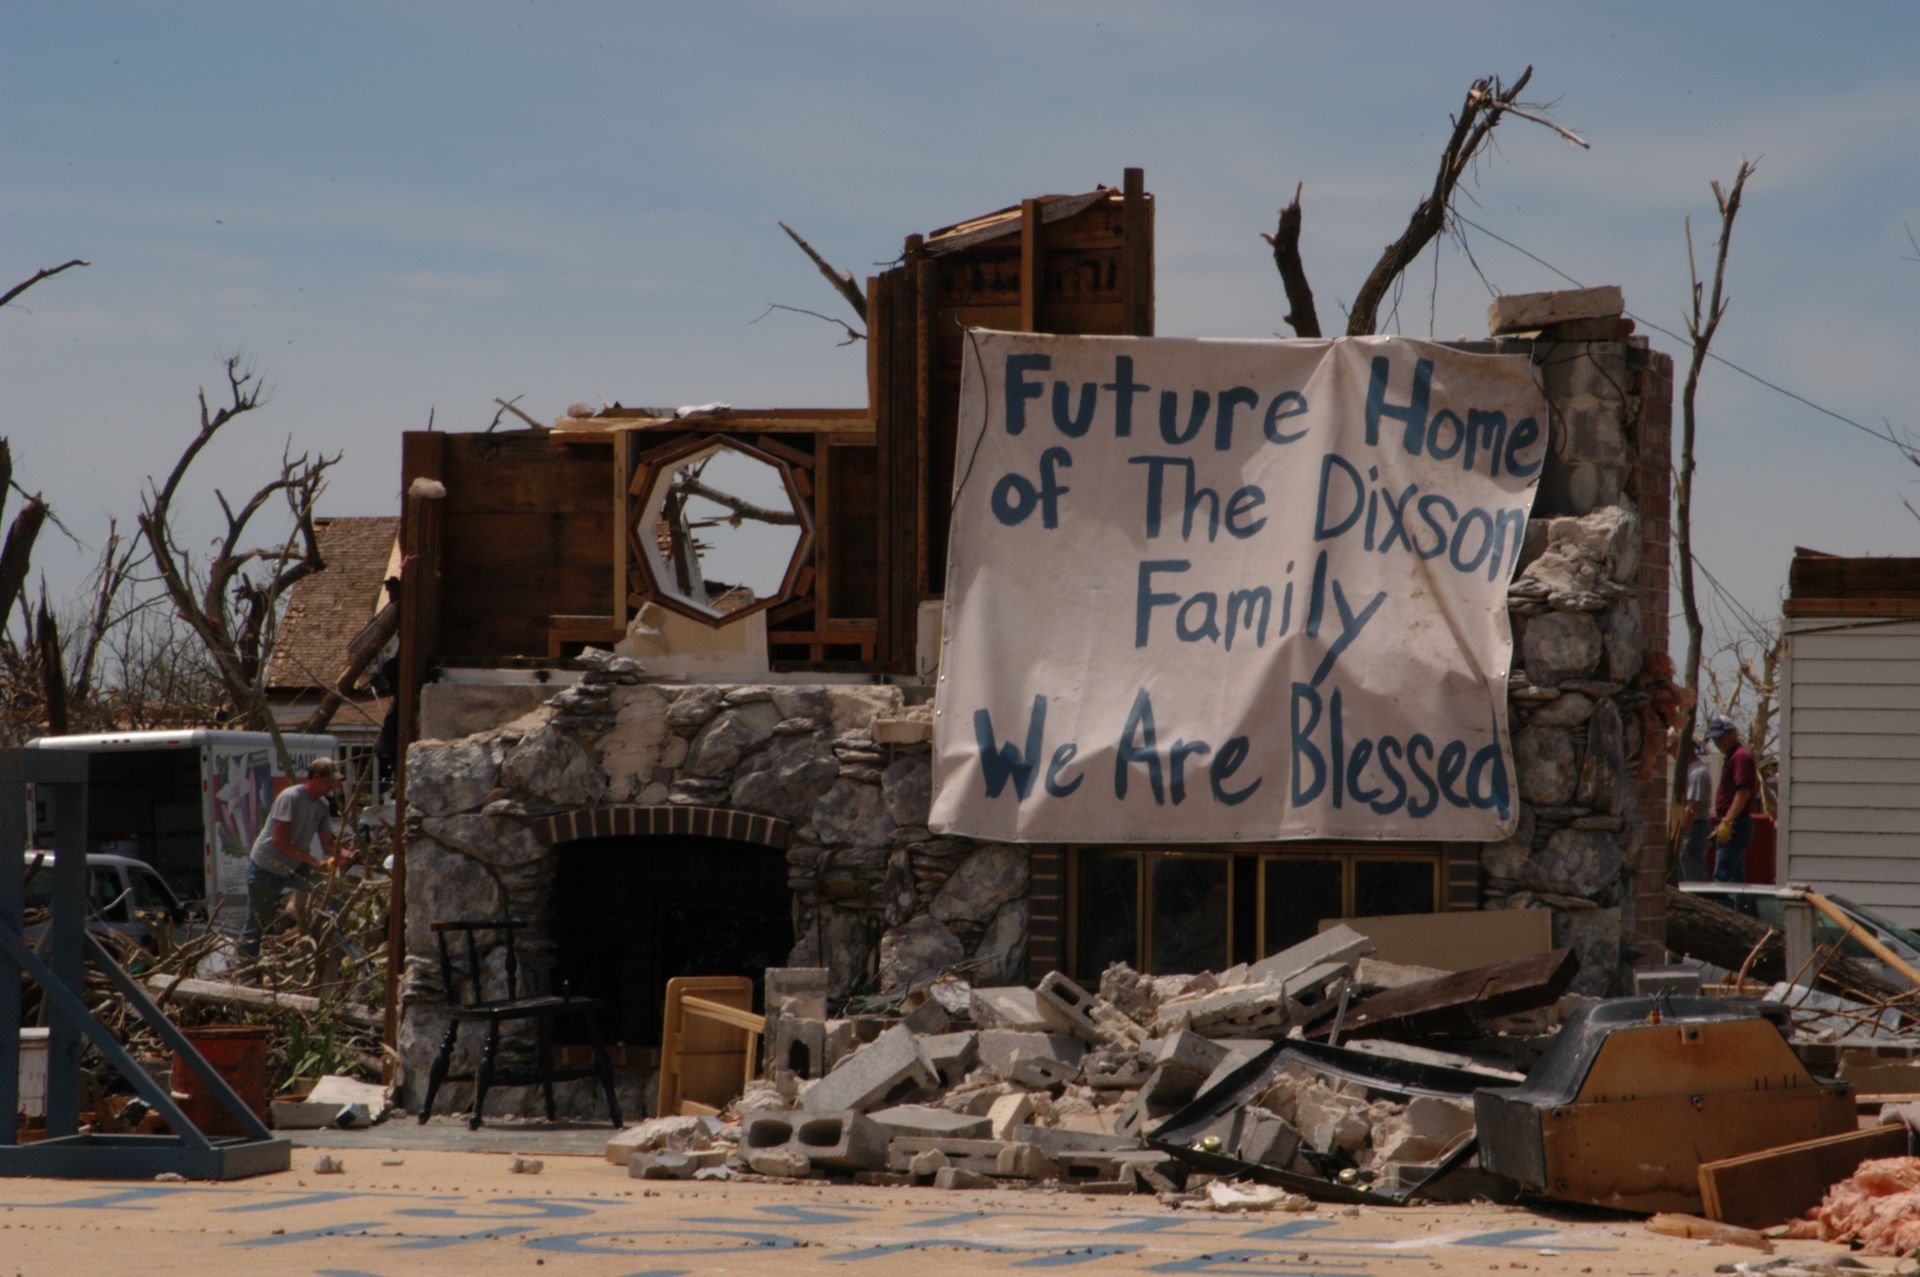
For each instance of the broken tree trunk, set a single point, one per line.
(1701, 929)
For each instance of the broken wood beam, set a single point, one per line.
(1775, 1185)
(221, 993)
(1693, 1228)
(1456, 1004)
(1699, 928)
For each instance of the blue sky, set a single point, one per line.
(398, 209)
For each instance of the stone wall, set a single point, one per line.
(1581, 634)
(876, 899)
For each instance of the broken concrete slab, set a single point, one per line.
(1267, 1140)
(886, 1070)
(1041, 1072)
(951, 1055)
(921, 1119)
(1053, 1140)
(1008, 1007)
(1024, 1161)
(782, 1163)
(959, 1177)
(927, 1019)
(667, 1164)
(1341, 945)
(677, 1134)
(997, 1048)
(797, 1046)
(1526, 312)
(1008, 1114)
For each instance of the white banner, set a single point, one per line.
(1213, 591)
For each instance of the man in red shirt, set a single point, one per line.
(1732, 801)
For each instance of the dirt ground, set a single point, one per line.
(440, 1212)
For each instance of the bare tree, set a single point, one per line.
(1702, 322)
(1487, 103)
(232, 601)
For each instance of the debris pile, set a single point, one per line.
(1876, 1209)
(976, 1087)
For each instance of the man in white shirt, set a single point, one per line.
(281, 860)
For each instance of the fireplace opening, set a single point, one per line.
(629, 914)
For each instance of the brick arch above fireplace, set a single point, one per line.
(629, 821)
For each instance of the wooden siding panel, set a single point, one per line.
(1885, 695)
(1854, 794)
(1854, 722)
(1856, 771)
(1812, 671)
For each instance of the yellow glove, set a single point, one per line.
(1724, 833)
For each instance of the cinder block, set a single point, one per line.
(1041, 1073)
(845, 1141)
(927, 1019)
(925, 1165)
(765, 1130)
(922, 1120)
(1266, 1140)
(975, 1155)
(1524, 312)
(1170, 1087)
(798, 991)
(1007, 1007)
(841, 1041)
(998, 1047)
(1239, 1051)
(957, 1177)
(798, 1047)
(1116, 1066)
(1008, 1114)
(887, 1070)
(1190, 1050)
(1086, 1016)
(951, 1055)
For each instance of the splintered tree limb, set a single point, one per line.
(1487, 101)
(16, 556)
(53, 674)
(853, 334)
(842, 281)
(1285, 241)
(45, 273)
(745, 509)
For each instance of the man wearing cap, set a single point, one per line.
(1696, 823)
(282, 859)
(1732, 802)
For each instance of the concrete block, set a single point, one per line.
(1007, 1007)
(924, 1166)
(1189, 1049)
(781, 1162)
(979, 1100)
(1170, 1088)
(974, 1155)
(1230, 1012)
(840, 1041)
(885, 1071)
(1086, 1016)
(1024, 1161)
(798, 991)
(1041, 1072)
(798, 1046)
(1053, 1140)
(921, 1119)
(1524, 312)
(882, 1179)
(951, 1055)
(1116, 1066)
(1341, 944)
(1266, 1140)
(1239, 1051)
(1088, 1167)
(1009, 1113)
(959, 1177)
(845, 1141)
(997, 1048)
(760, 1131)
(1331, 1123)
(927, 1019)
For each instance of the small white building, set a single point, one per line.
(1850, 731)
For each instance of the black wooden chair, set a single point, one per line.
(478, 1008)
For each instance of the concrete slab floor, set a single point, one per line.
(450, 1134)
(406, 1211)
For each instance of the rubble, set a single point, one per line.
(1876, 1209)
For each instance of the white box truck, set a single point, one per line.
(186, 802)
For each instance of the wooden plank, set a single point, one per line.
(1455, 941)
(1136, 275)
(1864, 642)
(1767, 1188)
(1030, 272)
(824, 533)
(1458, 1003)
(1706, 1230)
(622, 464)
(704, 1062)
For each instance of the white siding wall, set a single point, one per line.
(1850, 761)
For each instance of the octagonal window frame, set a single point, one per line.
(654, 465)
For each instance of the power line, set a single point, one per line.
(1842, 418)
